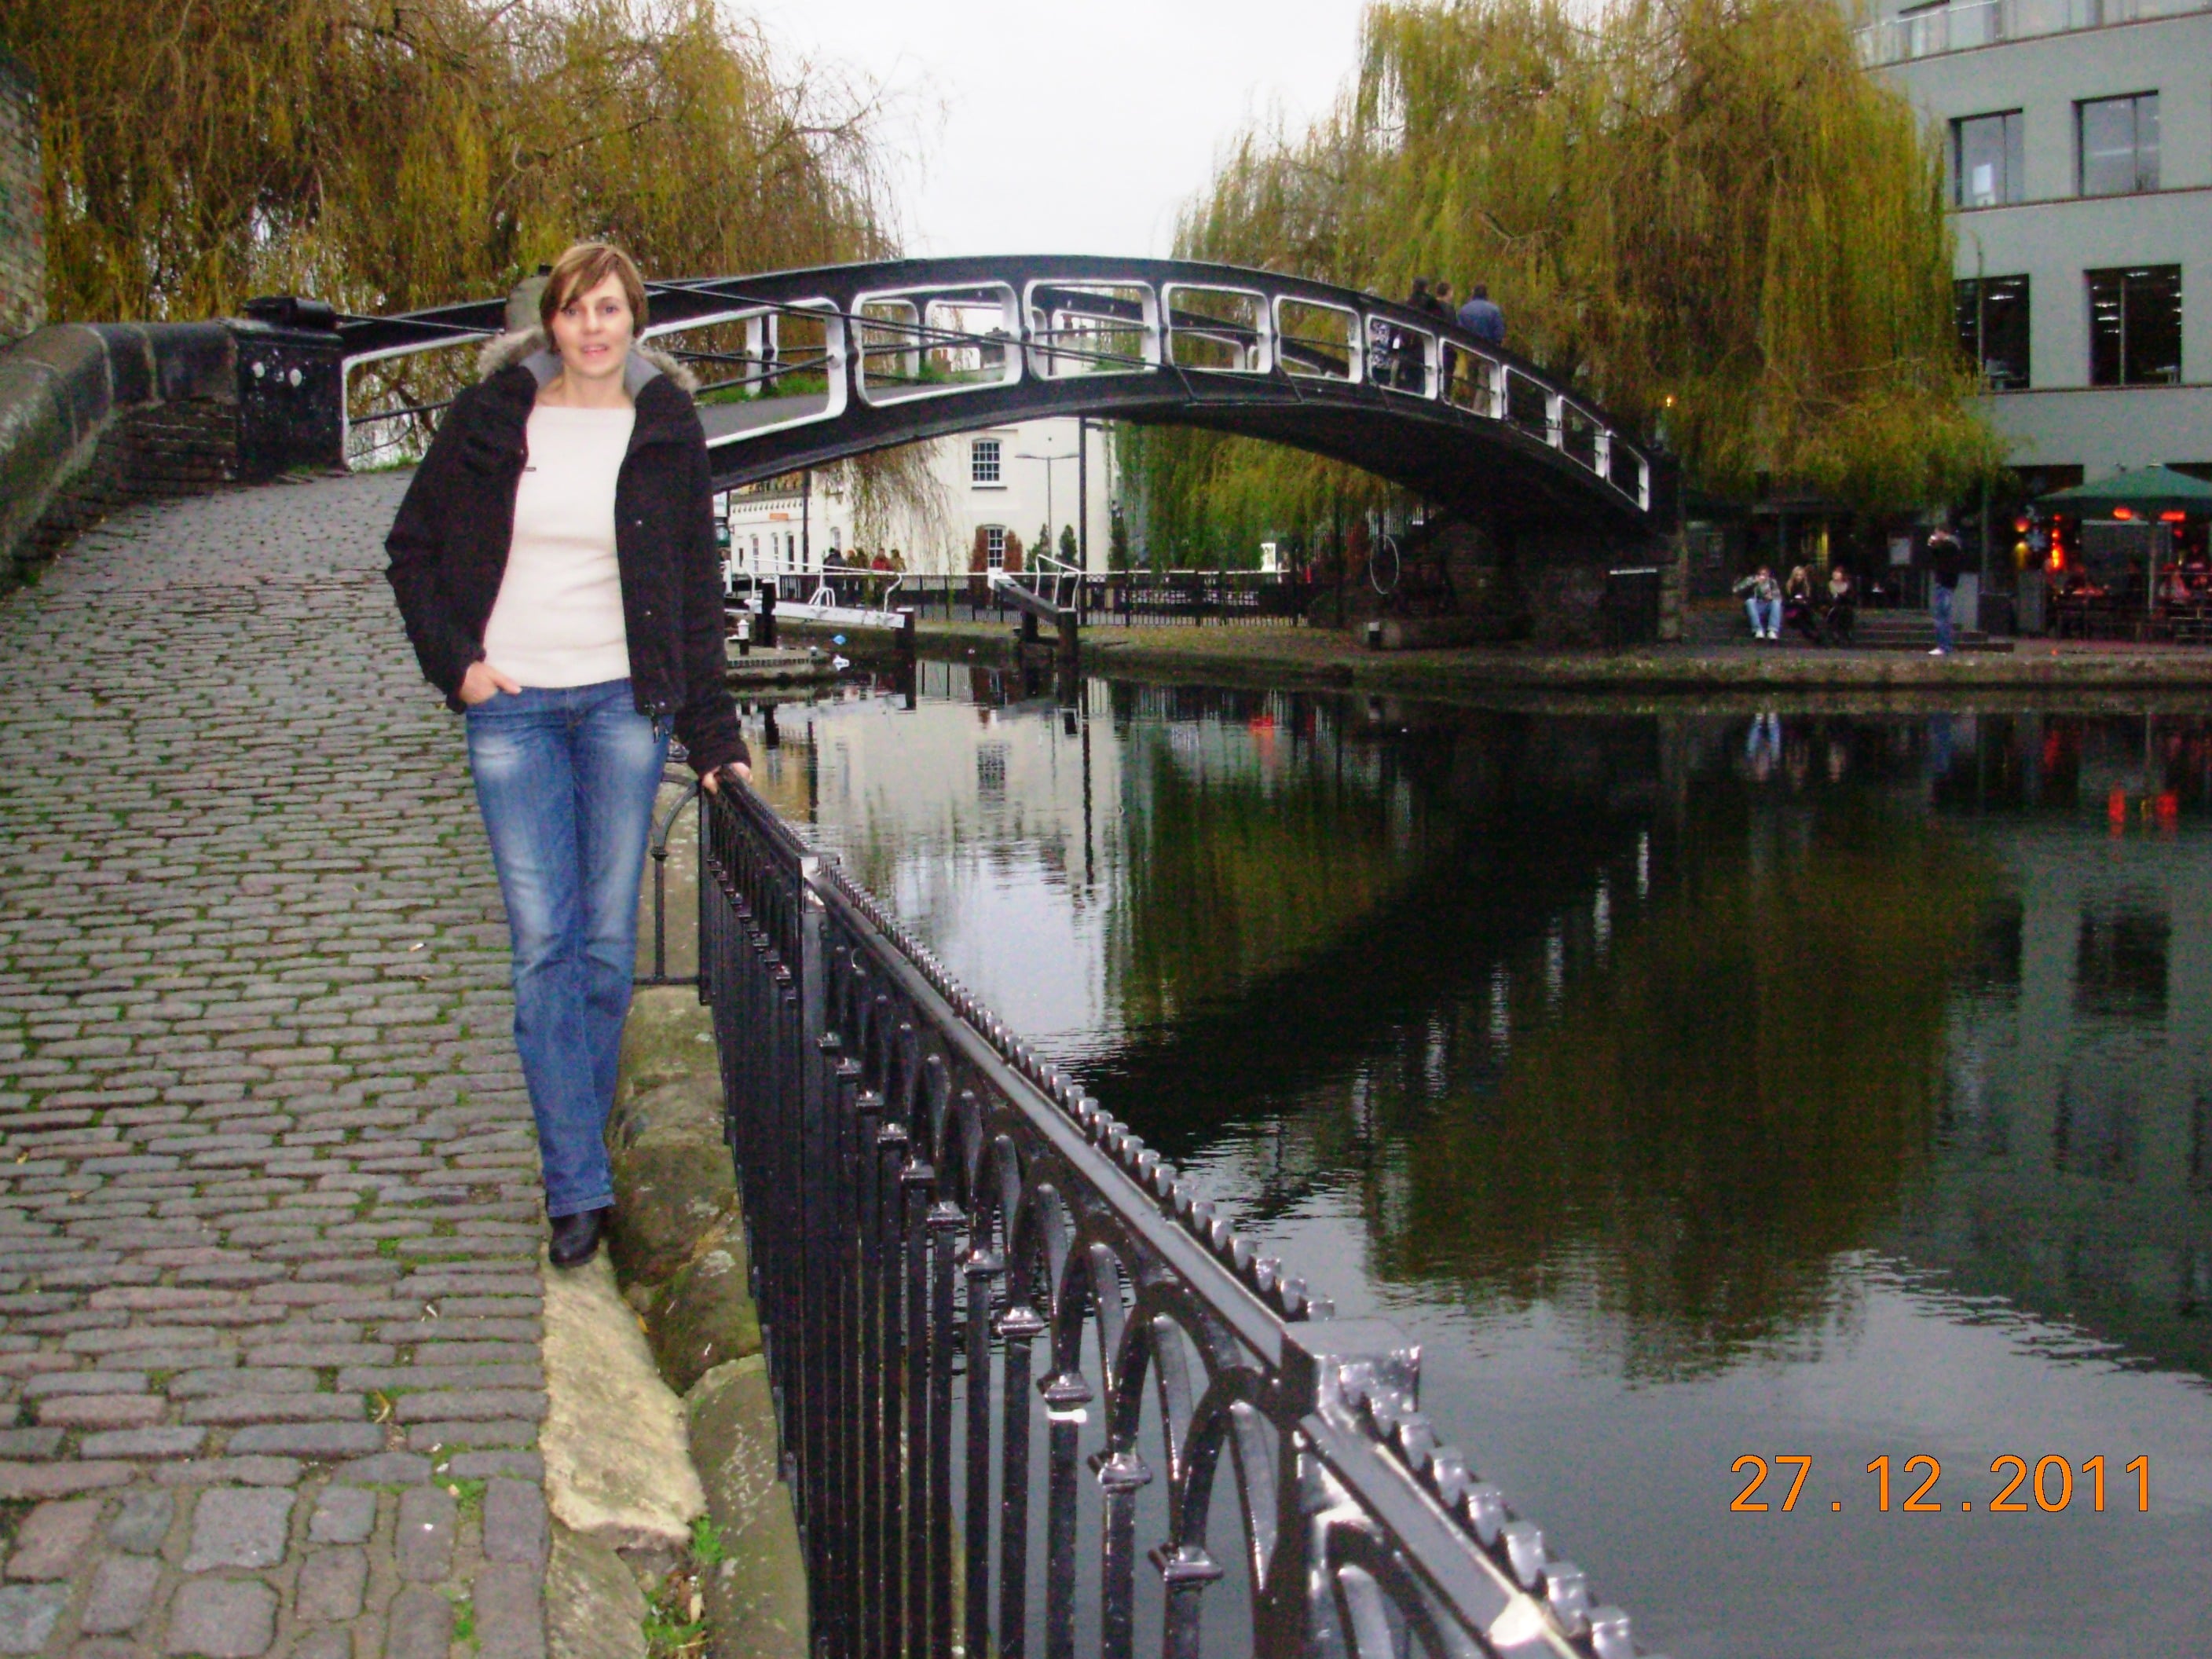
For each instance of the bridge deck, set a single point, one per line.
(268, 1214)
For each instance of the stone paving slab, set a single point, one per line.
(270, 1306)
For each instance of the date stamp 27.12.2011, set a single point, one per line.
(2053, 1484)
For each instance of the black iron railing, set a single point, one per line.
(1129, 598)
(1028, 1382)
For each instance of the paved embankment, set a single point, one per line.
(270, 1302)
(1312, 657)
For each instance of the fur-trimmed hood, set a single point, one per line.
(529, 348)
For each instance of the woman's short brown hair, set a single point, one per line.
(582, 269)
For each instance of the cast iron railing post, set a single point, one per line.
(915, 1181)
(868, 1107)
(893, 1153)
(944, 1224)
(981, 1267)
(1065, 1397)
(1019, 1327)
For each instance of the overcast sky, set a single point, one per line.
(1073, 127)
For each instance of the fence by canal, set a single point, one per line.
(1036, 1395)
(1132, 598)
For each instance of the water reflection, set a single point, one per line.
(1688, 1085)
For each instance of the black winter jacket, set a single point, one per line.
(448, 546)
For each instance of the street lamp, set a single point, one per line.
(1025, 455)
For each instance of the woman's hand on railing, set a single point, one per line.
(733, 773)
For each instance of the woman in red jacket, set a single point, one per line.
(556, 567)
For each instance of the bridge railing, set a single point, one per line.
(1131, 598)
(894, 348)
(1029, 1383)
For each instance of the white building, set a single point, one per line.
(2078, 134)
(1012, 479)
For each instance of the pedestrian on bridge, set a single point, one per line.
(1480, 316)
(556, 567)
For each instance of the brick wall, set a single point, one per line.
(160, 450)
(22, 206)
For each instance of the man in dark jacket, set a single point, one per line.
(1481, 318)
(1946, 560)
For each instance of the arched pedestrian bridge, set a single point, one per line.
(805, 367)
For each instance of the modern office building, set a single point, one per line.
(981, 487)
(2079, 139)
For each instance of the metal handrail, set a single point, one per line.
(1164, 306)
(1963, 27)
(825, 594)
(960, 1259)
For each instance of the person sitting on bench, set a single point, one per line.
(1843, 611)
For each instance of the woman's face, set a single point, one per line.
(593, 331)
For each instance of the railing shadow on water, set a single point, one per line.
(969, 1275)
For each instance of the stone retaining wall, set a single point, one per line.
(22, 206)
(93, 417)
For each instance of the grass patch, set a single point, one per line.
(387, 1247)
(676, 1615)
(465, 1618)
(470, 1494)
(707, 1549)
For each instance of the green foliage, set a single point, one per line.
(707, 1549)
(386, 156)
(1703, 212)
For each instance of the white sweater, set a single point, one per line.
(558, 619)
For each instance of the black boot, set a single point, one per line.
(576, 1237)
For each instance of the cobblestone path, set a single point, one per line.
(269, 1204)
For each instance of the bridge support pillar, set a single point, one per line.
(291, 388)
(1071, 642)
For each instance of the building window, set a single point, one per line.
(1992, 313)
(983, 461)
(1985, 160)
(2117, 141)
(2135, 325)
(994, 546)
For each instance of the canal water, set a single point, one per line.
(1692, 1086)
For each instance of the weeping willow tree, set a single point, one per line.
(1704, 212)
(387, 154)
(390, 154)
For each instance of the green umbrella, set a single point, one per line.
(2150, 490)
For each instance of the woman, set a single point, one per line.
(556, 567)
(1797, 607)
(1843, 606)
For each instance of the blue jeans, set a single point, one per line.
(1765, 614)
(566, 780)
(1939, 601)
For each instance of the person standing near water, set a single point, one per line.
(556, 568)
(1946, 560)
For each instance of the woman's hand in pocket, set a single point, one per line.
(482, 683)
